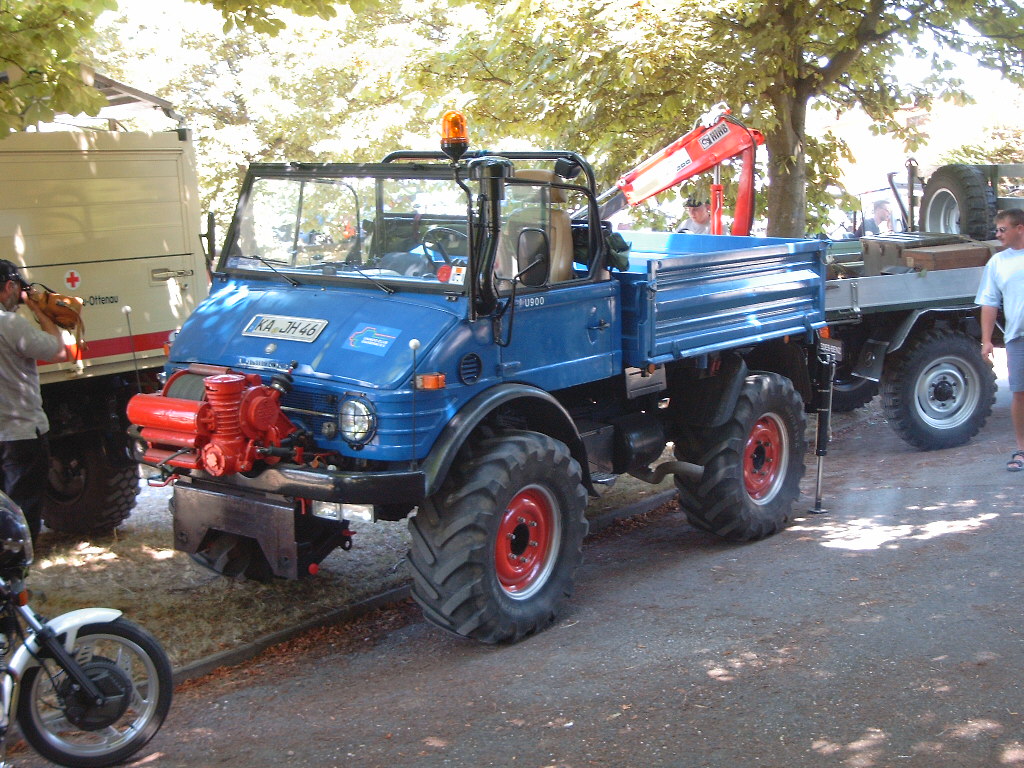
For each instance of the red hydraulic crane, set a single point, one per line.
(717, 136)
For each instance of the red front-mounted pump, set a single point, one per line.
(235, 424)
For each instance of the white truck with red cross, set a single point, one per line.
(112, 217)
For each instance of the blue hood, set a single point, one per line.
(358, 336)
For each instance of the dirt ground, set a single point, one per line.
(884, 633)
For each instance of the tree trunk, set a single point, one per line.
(787, 168)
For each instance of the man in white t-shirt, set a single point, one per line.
(1002, 284)
(24, 450)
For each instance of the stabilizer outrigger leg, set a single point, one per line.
(824, 426)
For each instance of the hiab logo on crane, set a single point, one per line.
(714, 136)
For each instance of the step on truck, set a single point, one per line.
(456, 338)
(112, 217)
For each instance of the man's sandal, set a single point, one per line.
(1016, 462)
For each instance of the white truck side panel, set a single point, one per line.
(114, 219)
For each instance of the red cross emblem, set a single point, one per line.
(72, 279)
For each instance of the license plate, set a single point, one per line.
(281, 327)
(832, 347)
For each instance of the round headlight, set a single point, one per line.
(357, 421)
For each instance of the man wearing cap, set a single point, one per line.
(24, 450)
(698, 220)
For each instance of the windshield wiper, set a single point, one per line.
(295, 283)
(386, 288)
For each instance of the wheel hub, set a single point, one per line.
(947, 393)
(524, 550)
(943, 391)
(113, 683)
(764, 459)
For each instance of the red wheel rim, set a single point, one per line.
(527, 540)
(764, 458)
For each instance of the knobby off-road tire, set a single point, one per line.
(495, 551)
(958, 199)
(752, 464)
(938, 391)
(850, 392)
(88, 491)
(128, 665)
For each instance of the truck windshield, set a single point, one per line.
(377, 229)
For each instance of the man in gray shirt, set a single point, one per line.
(24, 450)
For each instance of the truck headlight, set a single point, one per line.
(357, 420)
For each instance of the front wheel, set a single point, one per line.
(938, 391)
(129, 667)
(495, 551)
(752, 464)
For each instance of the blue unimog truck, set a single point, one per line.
(456, 338)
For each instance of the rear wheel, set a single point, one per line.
(752, 464)
(850, 392)
(87, 490)
(494, 553)
(959, 199)
(938, 391)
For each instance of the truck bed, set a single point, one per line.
(911, 290)
(689, 295)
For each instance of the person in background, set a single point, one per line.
(1002, 285)
(880, 222)
(24, 450)
(698, 219)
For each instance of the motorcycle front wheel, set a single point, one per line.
(131, 669)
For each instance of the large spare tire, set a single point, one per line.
(958, 199)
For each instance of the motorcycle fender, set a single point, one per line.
(67, 624)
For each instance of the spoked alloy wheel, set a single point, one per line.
(495, 551)
(131, 669)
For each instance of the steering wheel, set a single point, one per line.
(432, 236)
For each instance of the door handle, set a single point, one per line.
(162, 273)
(602, 325)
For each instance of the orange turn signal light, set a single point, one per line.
(430, 381)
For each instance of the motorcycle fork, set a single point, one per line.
(46, 638)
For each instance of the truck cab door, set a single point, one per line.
(559, 322)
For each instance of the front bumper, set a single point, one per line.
(405, 486)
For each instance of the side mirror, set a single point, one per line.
(534, 250)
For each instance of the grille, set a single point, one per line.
(470, 367)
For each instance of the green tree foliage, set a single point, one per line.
(41, 44)
(322, 91)
(622, 78)
(999, 145)
(38, 69)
